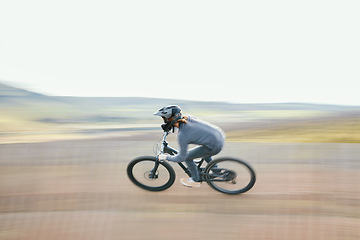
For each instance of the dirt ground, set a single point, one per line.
(78, 190)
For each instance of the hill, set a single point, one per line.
(10, 95)
(27, 115)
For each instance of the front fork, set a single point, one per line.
(152, 174)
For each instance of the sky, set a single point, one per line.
(257, 51)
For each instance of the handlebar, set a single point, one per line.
(165, 148)
(165, 135)
(164, 143)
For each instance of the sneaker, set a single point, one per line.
(189, 182)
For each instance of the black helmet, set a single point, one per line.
(170, 114)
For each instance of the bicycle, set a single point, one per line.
(226, 174)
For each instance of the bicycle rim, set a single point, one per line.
(230, 175)
(139, 172)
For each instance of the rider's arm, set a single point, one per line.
(181, 156)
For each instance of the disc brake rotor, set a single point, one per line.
(147, 176)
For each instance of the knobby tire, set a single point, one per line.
(167, 166)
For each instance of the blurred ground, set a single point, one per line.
(78, 189)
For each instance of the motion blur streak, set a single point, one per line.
(78, 190)
(63, 171)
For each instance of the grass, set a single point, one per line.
(22, 124)
(340, 130)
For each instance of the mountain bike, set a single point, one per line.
(226, 174)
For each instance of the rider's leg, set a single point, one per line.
(208, 159)
(197, 152)
(213, 168)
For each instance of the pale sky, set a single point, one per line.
(234, 51)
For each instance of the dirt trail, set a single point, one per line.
(78, 190)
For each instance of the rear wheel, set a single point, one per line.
(143, 172)
(230, 175)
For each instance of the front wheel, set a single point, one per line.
(150, 174)
(230, 175)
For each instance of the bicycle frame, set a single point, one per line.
(214, 171)
(165, 148)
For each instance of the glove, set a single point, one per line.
(162, 157)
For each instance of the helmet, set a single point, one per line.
(170, 114)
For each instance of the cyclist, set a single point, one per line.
(209, 138)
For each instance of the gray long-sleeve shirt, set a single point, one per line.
(198, 132)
